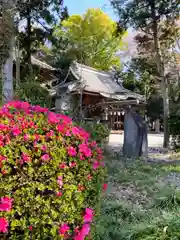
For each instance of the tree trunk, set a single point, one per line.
(7, 62)
(17, 63)
(161, 71)
(7, 79)
(30, 71)
(165, 93)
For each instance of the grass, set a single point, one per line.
(139, 203)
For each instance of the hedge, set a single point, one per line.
(51, 175)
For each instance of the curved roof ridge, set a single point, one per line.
(88, 68)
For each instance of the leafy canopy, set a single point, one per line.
(92, 39)
(40, 18)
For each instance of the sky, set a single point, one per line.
(80, 6)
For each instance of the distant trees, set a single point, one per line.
(156, 20)
(39, 18)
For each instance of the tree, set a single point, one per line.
(92, 39)
(138, 75)
(7, 40)
(148, 16)
(40, 17)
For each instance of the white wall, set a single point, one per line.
(63, 103)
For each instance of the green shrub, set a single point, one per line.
(174, 128)
(51, 175)
(33, 93)
(99, 132)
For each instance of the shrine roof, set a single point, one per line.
(104, 83)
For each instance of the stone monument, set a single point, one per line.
(135, 135)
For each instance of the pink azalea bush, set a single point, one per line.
(51, 175)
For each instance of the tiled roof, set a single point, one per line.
(101, 82)
(42, 64)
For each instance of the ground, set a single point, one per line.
(142, 201)
(155, 146)
(154, 140)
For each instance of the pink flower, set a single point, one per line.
(61, 128)
(45, 157)
(99, 157)
(26, 137)
(79, 236)
(2, 158)
(3, 127)
(66, 119)
(60, 181)
(84, 149)
(72, 151)
(52, 118)
(83, 232)
(105, 186)
(68, 134)
(102, 164)
(50, 134)
(88, 217)
(16, 131)
(40, 109)
(75, 131)
(25, 158)
(99, 151)
(1, 143)
(85, 229)
(63, 229)
(43, 148)
(7, 140)
(72, 164)
(30, 228)
(3, 225)
(6, 204)
(89, 177)
(59, 194)
(82, 157)
(95, 165)
(62, 166)
(37, 137)
(93, 144)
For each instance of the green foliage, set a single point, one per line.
(50, 171)
(174, 123)
(157, 24)
(99, 132)
(30, 91)
(92, 39)
(33, 93)
(139, 76)
(41, 17)
(174, 129)
(138, 13)
(139, 203)
(155, 108)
